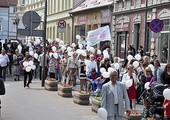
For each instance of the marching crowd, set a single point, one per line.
(68, 63)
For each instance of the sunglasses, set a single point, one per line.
(167, 67)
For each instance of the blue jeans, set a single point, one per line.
(3, 72)
(58, 75)
(94, 85)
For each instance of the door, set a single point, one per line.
(122, 43)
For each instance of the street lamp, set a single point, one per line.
(16, 23)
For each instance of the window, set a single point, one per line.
(11, 9)
(166, 25)
(118, 6)
(68, 4)
(163, 46)
(23, 2)
(149, 2)
(127, 4)
(137, 3)
(80, 30)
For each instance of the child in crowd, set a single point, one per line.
(166, 107)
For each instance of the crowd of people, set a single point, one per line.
(69, 63)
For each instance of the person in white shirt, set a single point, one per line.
(4, 61)
(114, 94)
(92, 65)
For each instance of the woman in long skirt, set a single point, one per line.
(72, 67)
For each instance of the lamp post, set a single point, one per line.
(17, 23)
(146, 27)
(44, 37)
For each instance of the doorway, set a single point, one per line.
(136, 40)
(122, 44)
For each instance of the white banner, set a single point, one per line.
(98, 35)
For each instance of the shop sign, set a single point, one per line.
(82, 19)
(105, 16)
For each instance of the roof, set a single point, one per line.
(90, 4)
(7, 3)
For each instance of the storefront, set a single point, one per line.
(87, 21)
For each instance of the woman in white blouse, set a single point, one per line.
(132, 89)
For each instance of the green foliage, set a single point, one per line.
(98, 98)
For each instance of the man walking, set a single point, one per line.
(113, 94)
(4, 61)
(41, 60)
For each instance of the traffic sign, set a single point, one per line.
(62, 24)
(61, 30)
(156, 25)
(27, 32)
(31, 20)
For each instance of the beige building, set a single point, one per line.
(57, 10)
(58, 14)
(90, 15)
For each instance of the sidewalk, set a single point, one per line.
(139, 107)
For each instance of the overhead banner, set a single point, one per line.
(96, 36)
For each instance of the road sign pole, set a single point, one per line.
(146, 27)
(31, 25)
(44, 37)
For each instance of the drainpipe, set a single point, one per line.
(111, 23)
(8, 23)
(72, 31)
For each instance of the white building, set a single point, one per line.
(30, 5)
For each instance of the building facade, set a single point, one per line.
(7, 13)
(4, 23)
(58, 10)
(129, 27)
(90, 15)
(30, 5)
